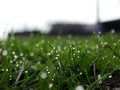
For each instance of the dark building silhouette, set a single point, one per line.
(72, 29)
(26, 33)
(108, 26)
(84, 29)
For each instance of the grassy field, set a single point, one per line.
(58, 63)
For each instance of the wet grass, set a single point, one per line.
(58, 63)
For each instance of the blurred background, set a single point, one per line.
(53, 17)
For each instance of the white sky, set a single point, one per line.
(40, 13)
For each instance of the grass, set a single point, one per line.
(58, 63)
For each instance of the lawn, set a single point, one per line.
(59, 62)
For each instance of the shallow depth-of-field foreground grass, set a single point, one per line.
(58, 63)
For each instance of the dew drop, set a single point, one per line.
(43, 75)
(112, 31)
(11, 61)
(10, 76)
(21, 54)
(52, 79)
(48, 72)
(105, 43)
(15, 56)
(3, 69)
(50, 85)
(114, 44)
(81, 73)
(88, 51)
(103, 58)
(73, 54)
(73, 48)
(32, 54)
(12, 44)
(26, 72)
(4, 53)
(56, 57)
(37, 45)
(13, 52)
(7, 69)
(110, 76)
(20, 62)
(38, 62)
(99, 32)
(114, 56)
(17, 65)
(48, 54)
(78, 56)
(79, 88)
(78, 51)
(64, 48)
(54, 48)
(101, 43)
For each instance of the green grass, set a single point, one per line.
(58, 63)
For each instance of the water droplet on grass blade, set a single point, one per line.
(114, 44)
(54, 48)
(78, 51)
(73, 48)
(114, 56)
(50, 85)
(101, 43)
(38, 62)
(12, 44)
(17, 65)
(37, 45)
(43, 75)
(79, 88)
(21, 54)
(15, 56)
(13, 52)
(32, 54)
(105, 43)
(48, 72)
(48, 54)
(81, 73)
(56, 57)
(73, 54)
(112, 31)
(64, 48)
(10, 76)
(52, 79)
(11, 61)
(110, 76)
(97, 46)
(7, 69)
(4, 53)
(78, 56)
(26, 72)
(99, 32)
(20, 62)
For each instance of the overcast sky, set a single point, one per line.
(40, 13)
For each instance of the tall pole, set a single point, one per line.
(98, 25)
(98, 11)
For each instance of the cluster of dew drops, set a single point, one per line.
(19, 63)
